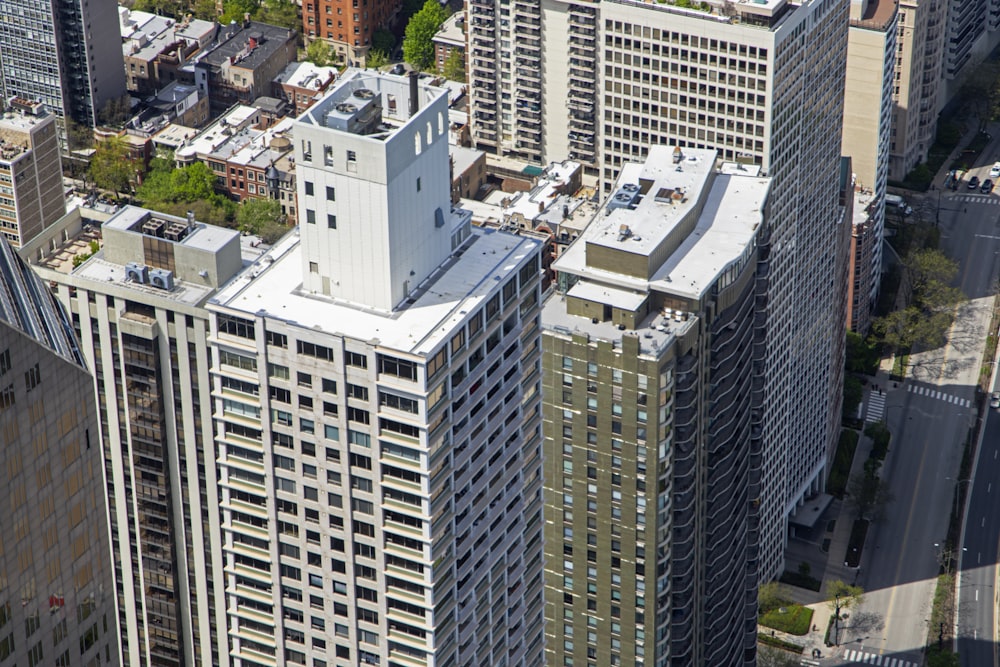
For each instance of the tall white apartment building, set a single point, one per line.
(138, 307)
(762, 83)
(871, 66)
(378, 409)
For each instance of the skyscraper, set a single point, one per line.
(653, 352)
(138, 306)
(66, 55)
(57, 600)
(762, 83)
(920, 53)
(871, 66)
(378, 408)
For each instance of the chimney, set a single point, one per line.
(246, 20)
(190, 220)
(414, 102)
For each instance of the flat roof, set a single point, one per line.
(452, 31)
(274, 285)
(305, 75)
(731, 210)
(234, 42)
(201, 236)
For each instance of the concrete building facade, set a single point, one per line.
(31, 185)
(378, 409)
(653, 359)
(57, 600)
(138, 307)
(920, 40)
(66, 55)
(871, 66)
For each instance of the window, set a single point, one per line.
(310, 216)
(418, 183)
(355, 359)
(331, 221)
(236, 326)
(313, 350)
(331, 194)
(277, 339)
(352, 156)
(309, 188)
(358, 415)
(329, 386)
(385, 399)
(331, 432)
(401, 368)
(304, 379)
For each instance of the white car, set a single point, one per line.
(995, 170)
(995, 400)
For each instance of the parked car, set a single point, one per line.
(973, 183)
(987, 187)
(995, 400)
(995, 170)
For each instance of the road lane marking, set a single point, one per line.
(989, 487)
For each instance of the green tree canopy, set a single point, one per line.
(110, 168)
(263, 218)
(454, 66)
(205, 10)
(867, 493)
(283, 13)
(235, 10)
(318, 53)
(770, 597)
(377, 59)
(931, 302)
(383, 40)
(418, 44)
(853, 393)
(189, 188)
(861, 357)
(850, 596)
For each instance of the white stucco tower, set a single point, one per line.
(373, 208)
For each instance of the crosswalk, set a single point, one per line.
(862, 658)
(923, 390)
(876, 407)
(977, 199)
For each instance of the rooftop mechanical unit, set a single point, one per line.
(162, 278)
(137, 273)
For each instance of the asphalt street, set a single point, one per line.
(977, 640)
(930, 416)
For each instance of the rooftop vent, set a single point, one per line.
(364, 93)
(346, 107)
(624, 232)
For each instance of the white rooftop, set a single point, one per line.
(305, 75)
(730, 214)
(201, 236)
(225, 136)
(452, 31)
(273, 285)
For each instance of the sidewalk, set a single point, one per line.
(836, 568)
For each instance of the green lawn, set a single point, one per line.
(795, 619)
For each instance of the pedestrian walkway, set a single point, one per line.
(876, 407)
(931, 392)
(977, 199)
(862, 658)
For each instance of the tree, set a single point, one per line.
(867, 493)
(771, 656)
(861, 355)
(116, 111)
(769, 597)
(853, 393)
(383, 40)
(418, 40)
(78, 135)
(235, 10)
(849, 596)
(110, 168)
(281, 13)
(189, 188)
(263, 218)
(318, 53)
(454, 66)
(930, 302)
(206, 10)
(981, 92)
(377, 59)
